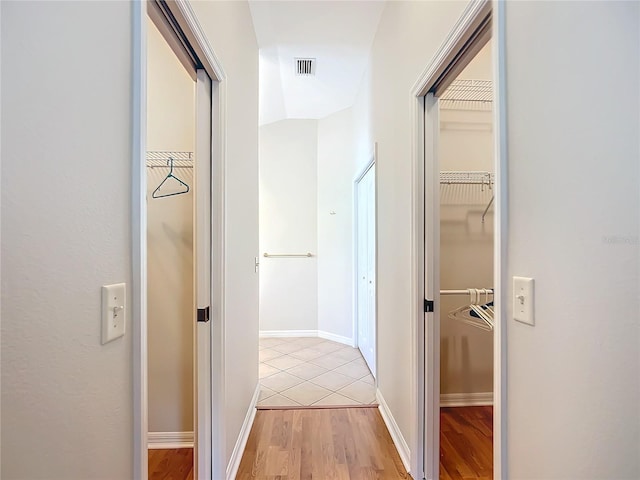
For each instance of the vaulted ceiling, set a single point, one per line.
(338, 34)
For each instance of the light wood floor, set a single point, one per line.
(323, 444)
(466, 443)
(174, 464)
(343, 444)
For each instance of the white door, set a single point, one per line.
(202, 331)
(432, 290)
(366, 266)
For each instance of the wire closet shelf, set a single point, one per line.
(467, 178)
(484, 179)
(468, 95)
(160, 159)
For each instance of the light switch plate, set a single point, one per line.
(114, 308)
(523, 300)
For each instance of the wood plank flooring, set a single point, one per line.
(173, 464)
(466, 443)
(343, 444)
(324, 444)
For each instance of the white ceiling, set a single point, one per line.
(338, 34)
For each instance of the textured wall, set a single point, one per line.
(408, 35)
(574, 379)
(66, 168)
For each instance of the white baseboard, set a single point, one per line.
(336, 338)
(307, 333)
(466, 399)
(394, 430)
(158, 440)
(243, 436)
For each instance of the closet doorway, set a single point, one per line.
(179, 234)
(465, 154)
(171, 275)
(461, 201)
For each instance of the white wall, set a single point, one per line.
(170, 277)
(573, 177)
(398, 57)
(307, 170)
(66, 188)
(574, 378)
(229, 28)
(335, 176)
(362, 121)
(289, 224)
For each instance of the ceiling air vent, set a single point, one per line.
(305, 66)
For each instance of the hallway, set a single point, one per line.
(341, 444)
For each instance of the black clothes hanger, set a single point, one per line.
(156, 193)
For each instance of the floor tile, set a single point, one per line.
(368, 379)
(307, 354)
(310, 341)
(349, 353)
(288, 347)
(354, 370)
(306, 393)
(359, 391)
(268, 354)
(265, 393)
(358, 361)
(329, 362)
(309, 370)
(280, 381)
(332, 380)
(328, 347)
(336, 399)
(266, 370)
(270, 342)
(295, 340)
(278, 401)
(306, 371)
(284, 362)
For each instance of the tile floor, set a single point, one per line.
(312, 372)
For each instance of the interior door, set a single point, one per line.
(366, 269)
(432, 290)
(202, 331)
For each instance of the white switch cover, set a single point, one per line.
(523, 300)
(114, 307)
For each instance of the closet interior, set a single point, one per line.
(170, 253)
(466, 267)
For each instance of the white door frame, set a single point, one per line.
(357, 180)
(203, 273)
(186, 19)
(425, 326)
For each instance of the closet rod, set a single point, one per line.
(464, 292)
(166, 166)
